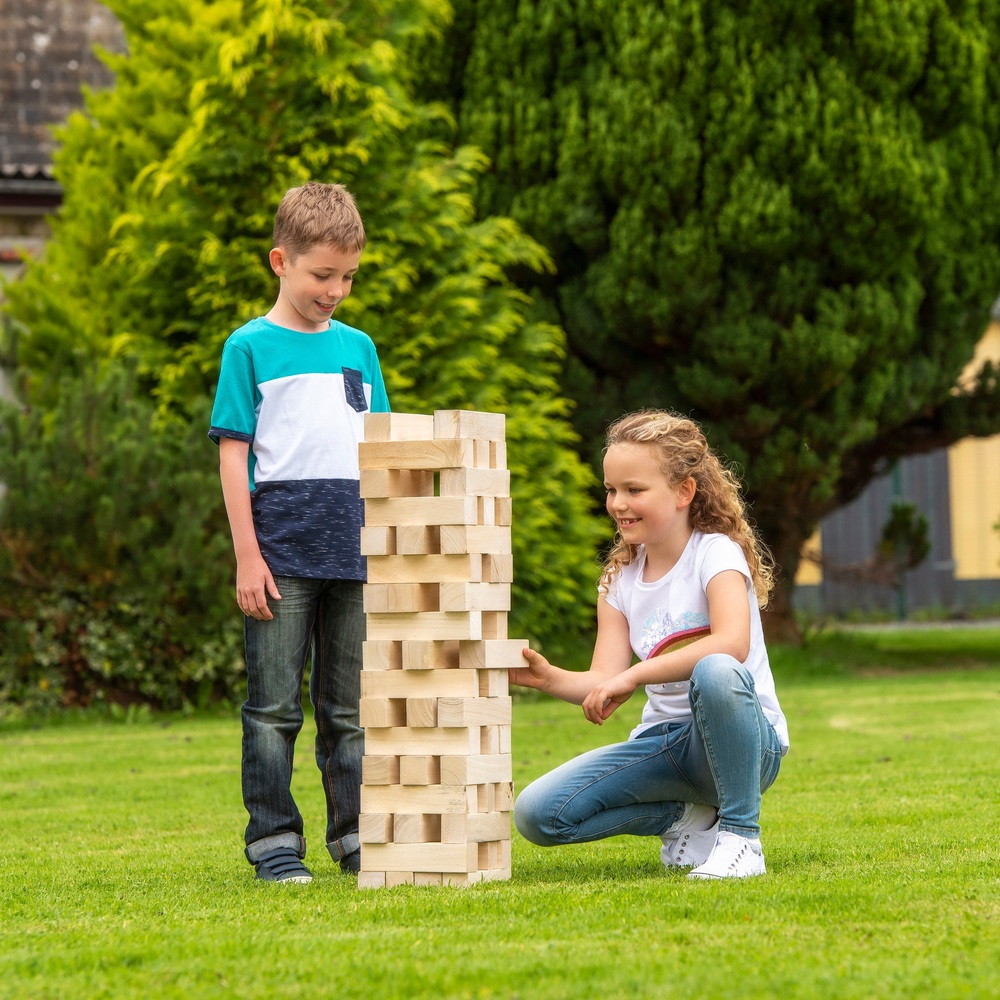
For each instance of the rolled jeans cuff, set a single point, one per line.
(259, 848)
(345, 846)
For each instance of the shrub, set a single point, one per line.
(115, 564)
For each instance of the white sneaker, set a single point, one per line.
(691, 839)
(732, 857)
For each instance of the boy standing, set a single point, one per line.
(288, 415)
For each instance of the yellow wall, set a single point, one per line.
(974, 489)
(974, 494)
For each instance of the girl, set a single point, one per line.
(682, 587)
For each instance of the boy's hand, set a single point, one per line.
(253, 583)
(608, 696)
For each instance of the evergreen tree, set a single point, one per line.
(171, 181)
(780, 216)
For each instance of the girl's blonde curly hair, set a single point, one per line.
(682, 450)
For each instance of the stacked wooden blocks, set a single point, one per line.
(436, 793)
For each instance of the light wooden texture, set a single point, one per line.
(475, 770)
(484, 538)
(398, 426)
(469, 424)
(456, 683)
(423, 857)
(415, 740)
(381, 598)
(427, 625)
(474, 711)
(474, 597)
(400, 511)
(461, 568)
(474, 482)
(439, 454)
(396, 483)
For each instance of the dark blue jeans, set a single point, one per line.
(324, 618)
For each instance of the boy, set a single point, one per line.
(288, 415)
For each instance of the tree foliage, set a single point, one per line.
(171, 180)
(778, 216)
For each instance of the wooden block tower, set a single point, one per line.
(436, 794)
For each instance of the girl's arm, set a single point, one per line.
(729, 614)
(253, 578)
(612, 655)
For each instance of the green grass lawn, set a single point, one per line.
(121, 872)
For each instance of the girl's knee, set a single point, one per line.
(534, 817)
(720, 675)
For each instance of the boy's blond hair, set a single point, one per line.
(681, 451)
(318, 215)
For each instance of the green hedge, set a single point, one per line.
(116, 569)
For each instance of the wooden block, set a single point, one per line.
(458, 538)
(463, 568)
(398, 878)
(423, 770)
(493, 654)
(494, 683)
(505, 796)
(421, 511)
(489, 854)
(475, 770)
(493, 624)
(486, 510)
(489, 739)
(375, 828)
(469, 424)
(380, 769)
(426, 625)
(425, 683)
(475, 482)
(438, 799)
(461, 880)
(371, 880)
(398, 426)
(379, 541)
(382, 655)
(503, 511)
(408, 741)
(424, 654)
(493, 568)
(386, 598)
(441, 454)
(474, 597)
(416, 828)
(428, 878)
(473, 711)
(422, 712)
(416, 540)
(423, 857)
(382, 712)
(396, 483)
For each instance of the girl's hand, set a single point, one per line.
(608, 695)
(534, 674)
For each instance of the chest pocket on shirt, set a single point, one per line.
(354, 389)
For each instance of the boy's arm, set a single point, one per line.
(253, 578)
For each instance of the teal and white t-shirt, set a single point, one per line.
(673, 611)
(299, 400)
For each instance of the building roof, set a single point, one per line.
(46, 58)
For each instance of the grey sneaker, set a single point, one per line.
(732, 857)
(282, 865)
(351, 862)
(690, 840)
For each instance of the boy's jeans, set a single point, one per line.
(325, 617)
(725, 756)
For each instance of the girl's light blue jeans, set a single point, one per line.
(726, 755)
